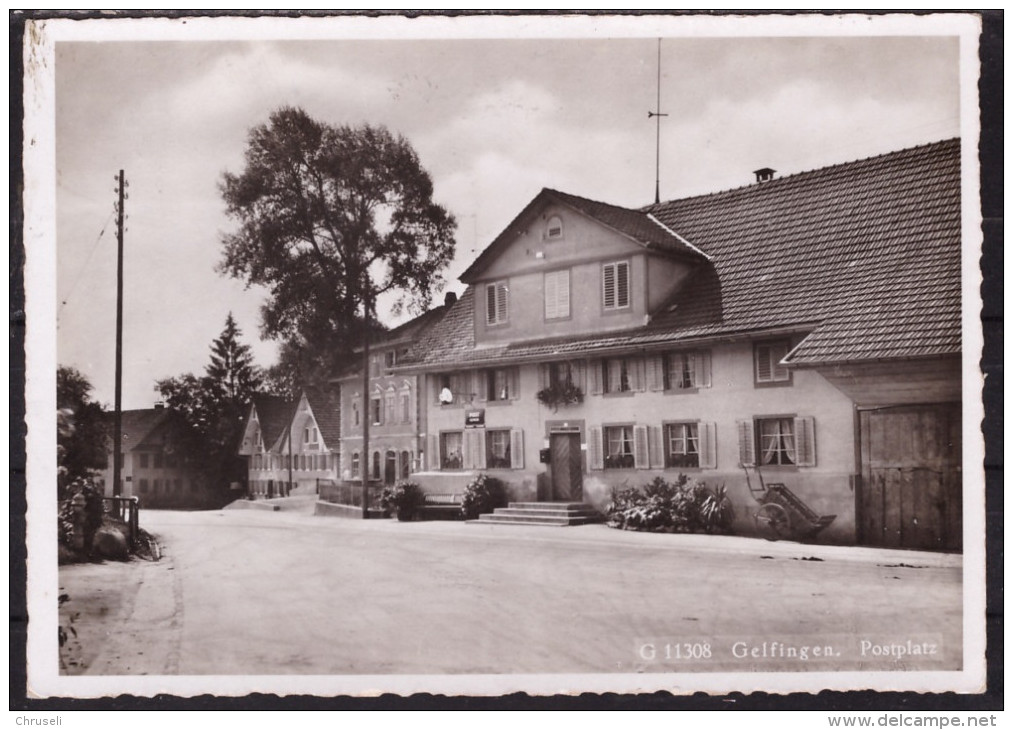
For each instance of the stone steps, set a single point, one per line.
(549, 514)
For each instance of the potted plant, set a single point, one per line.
(403, 499)
(560, 394)
(483, 494)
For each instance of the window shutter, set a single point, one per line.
(622, 284)
(707, 433)
(656, 447)
(515, 383)
(490, 303)
(703, 366)
(640, 456)
(577, 370)
(778, 352)
(468, 447)
(763, 370)
(747, 443)
(805, 441)
(433, 457)
(609, 286)
(656, 372)
(516, 449)
(480, 384)
(543, 376)
(594, 448)
(595, 367)
(479, 449)
(638, 376)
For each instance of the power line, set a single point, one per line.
(84, 267)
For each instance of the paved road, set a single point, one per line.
(251, 592)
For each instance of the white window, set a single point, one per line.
(355, 464)
(618, 447)
(376, 410)
(500, 384)
(617, 374)
(681, 371)
(497, 307)
(777, 441)
(497, 449)
(682, 445)
(616, 285)
(768, 356)
(451, 450)
(557, 294)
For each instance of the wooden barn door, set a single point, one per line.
(910, 493)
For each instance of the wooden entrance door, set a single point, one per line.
(910, 494)
(567, 480)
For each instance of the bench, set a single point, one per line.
(441, 506)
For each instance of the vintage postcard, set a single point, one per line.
(492, 354)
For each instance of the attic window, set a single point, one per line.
(554, 228)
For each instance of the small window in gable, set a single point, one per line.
(554, 228)
(616, 285)
(496, 303)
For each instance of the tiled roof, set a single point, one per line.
(137, 425)
(867, 250)
(274, 414)
(326, 406)
(864, 255)
(637, 225)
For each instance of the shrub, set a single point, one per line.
(662, 506)
(483, 494)
(403, 498)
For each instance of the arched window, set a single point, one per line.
(376, 465)
(355, 464)
(406, 464)
(554, 228)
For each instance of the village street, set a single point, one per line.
(259, 592)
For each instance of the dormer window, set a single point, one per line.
(554, 228)
(496, 303)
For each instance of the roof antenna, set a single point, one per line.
(657, 141)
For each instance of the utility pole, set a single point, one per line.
(118, 420)
(657, 139)
(366, 415)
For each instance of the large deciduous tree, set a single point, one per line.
(82, 435)
(330, 219)
(209, 410)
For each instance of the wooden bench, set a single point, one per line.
(441, 506)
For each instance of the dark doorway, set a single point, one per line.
(567, 478)
(910, 495)
(390, 468)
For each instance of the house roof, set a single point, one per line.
(274, 414)
(863, 256)
(137, 425)
(637, 225)
(326, 406)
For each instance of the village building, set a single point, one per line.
(394, 448)
(804, 328)
(151, 469)
(291, 446)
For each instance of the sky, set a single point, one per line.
(493, 120)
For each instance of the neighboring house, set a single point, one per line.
(394, 449)
(290, 446)
(151, 470)
(265, 434)
(807, 326)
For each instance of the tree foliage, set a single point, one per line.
(82, 434)
(208, 411)
(331, 218)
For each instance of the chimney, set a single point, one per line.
(764, 174)
(449, 298)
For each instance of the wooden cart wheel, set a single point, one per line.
(772, 522)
